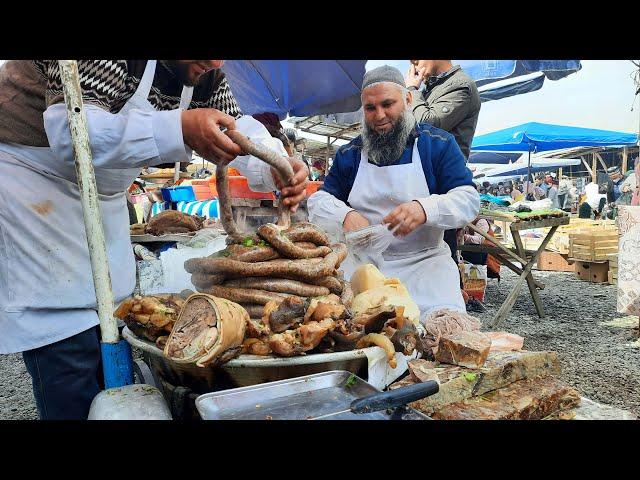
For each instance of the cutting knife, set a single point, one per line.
(391, 399)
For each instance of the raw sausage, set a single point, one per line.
(272, 234)
(279, 285)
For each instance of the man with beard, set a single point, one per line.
(412, 178)
(139, 113)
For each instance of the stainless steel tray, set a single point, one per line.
(298, 398)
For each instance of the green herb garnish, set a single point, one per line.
(248, 242)
(350, 381)
(470, 377)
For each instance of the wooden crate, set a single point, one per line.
(554, 262)
(595, 272)
(613, 280)
(594, 245)
(560, 241)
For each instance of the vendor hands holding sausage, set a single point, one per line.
(410, 176)
(139, 113)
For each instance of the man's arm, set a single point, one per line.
(447, 111)
(135, 139)
(459, 202)
(330, 202)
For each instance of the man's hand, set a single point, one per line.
(354, 221)
(407, 216)
(201, 132)
(293, 194)
(414, 77)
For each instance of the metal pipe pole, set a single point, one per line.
(89, 199)
(529, 179)
(116, 353)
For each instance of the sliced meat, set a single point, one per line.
(374, 319)
(289, 313)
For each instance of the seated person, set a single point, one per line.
(471, 237)
(411, 177)
(584, 210)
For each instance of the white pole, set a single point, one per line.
(89, 199)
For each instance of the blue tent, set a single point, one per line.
(496, 91)
(540, 137)
(296, 87)
(488, 71)
(493, 158)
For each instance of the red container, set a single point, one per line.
(239, 188)
(313, 186)
(202, 189)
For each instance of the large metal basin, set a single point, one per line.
(247, 370)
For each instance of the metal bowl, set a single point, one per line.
(247, 370)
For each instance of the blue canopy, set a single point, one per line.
(487, 71)
(296, 87)
(493, 157)
(496, 92)
(540, 137)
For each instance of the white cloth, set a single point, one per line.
(46, 284)
(258, 173)
(421, 260)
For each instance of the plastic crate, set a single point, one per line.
(313, 186)
(202, 189)
(239, 188)
(178, 194)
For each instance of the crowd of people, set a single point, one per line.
(593, 200)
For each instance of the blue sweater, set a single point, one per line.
(443, 163)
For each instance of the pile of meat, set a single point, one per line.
(172, 221)
(297, 300)
(151, 317)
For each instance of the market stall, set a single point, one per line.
(506, 256)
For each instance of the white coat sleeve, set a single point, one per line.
(324, 208)
(136, 139)
(258, 173)
(453, 209)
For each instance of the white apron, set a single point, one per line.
(421, 260)
(43, 250)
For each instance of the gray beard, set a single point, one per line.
(386, 148)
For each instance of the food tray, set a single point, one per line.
(298, 398)
(248, 370)
(173, 237)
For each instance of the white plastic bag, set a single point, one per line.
(367, 244)
(543, 204)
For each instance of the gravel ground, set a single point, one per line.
(601, 361)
